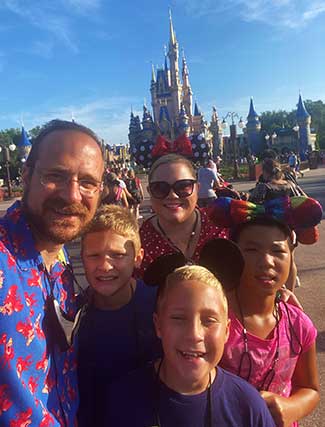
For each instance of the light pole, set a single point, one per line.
(6, 160)
(267, 138)
(233, 137)
(296, 129)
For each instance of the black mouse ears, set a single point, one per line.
(222, 257)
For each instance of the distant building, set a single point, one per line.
(174, 114)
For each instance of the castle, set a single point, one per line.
(175, 122)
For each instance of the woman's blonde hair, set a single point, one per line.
(118, 219)
(171, 158)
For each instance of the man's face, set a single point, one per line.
(109, 259)
(193, 326)
(58, 213)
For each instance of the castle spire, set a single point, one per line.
(153, 74)
(252, 113)
(172, 35)
(302, 113)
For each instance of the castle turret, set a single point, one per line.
(197, 120)
(253, 130)
(217, 132)
(153, 91)
(303, 120)
(187, 90)
(173, 55)
(183, 121)
(24, 146)
(134, 131)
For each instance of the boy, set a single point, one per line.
(186, 388)
(116, 332)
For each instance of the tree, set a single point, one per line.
(273, 120)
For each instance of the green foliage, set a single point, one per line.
(272, 120)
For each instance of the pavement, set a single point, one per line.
(311, 269)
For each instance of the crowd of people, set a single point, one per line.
(186, 320)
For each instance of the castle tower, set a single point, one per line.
(197, 120)
(303, 120)
(187, 90)
(217, 133)
(183, 122)
(175, 84)
(253, 130)
(134, 129)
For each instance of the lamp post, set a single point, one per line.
(267, 138)
(233, 137)
(296, 129)
(6, 160)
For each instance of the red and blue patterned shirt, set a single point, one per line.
(38, 387)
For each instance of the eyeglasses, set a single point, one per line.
(183, 188)
(57, 181)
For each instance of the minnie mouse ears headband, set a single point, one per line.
(220, 256)
(298, 213)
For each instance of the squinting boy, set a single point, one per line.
(116, 333)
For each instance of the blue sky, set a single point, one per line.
(92, 58)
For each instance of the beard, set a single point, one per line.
(50, 224)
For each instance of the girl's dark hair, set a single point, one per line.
(53, 126)
(272, 168)
(265, 221)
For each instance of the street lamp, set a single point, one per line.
(6, 159)
(233, 137)
(296, 129)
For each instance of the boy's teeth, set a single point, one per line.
(189, 354)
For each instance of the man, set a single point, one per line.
(208, 182)
(62, 186)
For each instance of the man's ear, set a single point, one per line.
(26, 175)
(139, 258)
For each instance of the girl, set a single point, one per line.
(271, 343)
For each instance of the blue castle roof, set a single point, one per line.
(302, 113)
(24, 141)
(197, 112)
(252, 115)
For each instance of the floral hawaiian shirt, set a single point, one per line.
(38, 386)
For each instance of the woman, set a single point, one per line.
(134, 187)
(113, 193)
(178, 225)
(274, 184)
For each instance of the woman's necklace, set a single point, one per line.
(246, 358)
(192, 235)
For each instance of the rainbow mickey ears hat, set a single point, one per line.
(300, 214)
(220, 256)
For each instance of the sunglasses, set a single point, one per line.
(183, 188)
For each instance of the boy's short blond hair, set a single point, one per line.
(118, 219)
(195, 273)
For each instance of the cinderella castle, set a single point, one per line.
(178, 126)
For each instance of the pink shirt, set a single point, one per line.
(262, 351)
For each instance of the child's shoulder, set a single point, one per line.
(295, 315)
(303, 327)
(144, 291)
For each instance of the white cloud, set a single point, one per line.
(108, 117)
(55, 18)
(277, 13)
